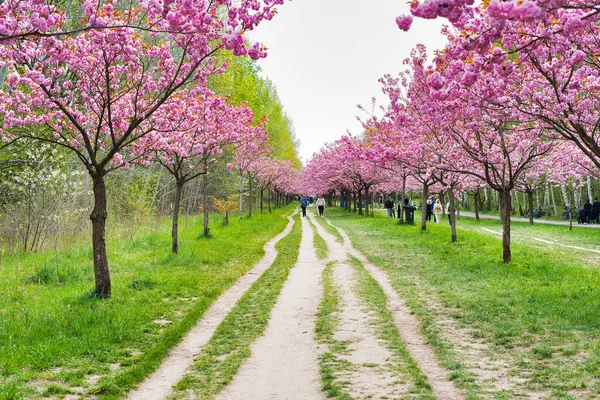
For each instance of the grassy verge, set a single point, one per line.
(330, 364)
(540, 312)
(318, 242)
(216, 366)
(375, 298)
(330, 229)
(56, 339)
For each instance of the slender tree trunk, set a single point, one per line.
(424, 207)
(175, 221)
(452, 215)
(553, 200)
(241, 196)
(250, 201)
(488, 199)
(205, 195)
(505, 201)
(530, 201)
(443, 201)
(269, 199)
(367, 202)
(262, 192)
(477, 204)
(401, 203)
(226, 217)
(360, 201)
(98, 217)
(354, 201)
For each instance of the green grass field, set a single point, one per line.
(56, 338)
(540, 312)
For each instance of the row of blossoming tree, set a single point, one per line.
(118, 83)
(512, 102)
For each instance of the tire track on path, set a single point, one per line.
(160, 383)
(284, 361)
(408, 326)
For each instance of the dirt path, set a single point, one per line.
(159, 384)
(535, 221)
(372, 371)
(284, 362)
(545, 241)
(409, 329)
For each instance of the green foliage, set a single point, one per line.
(242, 83)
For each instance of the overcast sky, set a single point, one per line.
(325, 57)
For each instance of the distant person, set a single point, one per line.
(303, 205)
(587, 207)
(438, 210)
(429, 209)
(389, 206)
(596, 210)
(321, 205)
(380, 205)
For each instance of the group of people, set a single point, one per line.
(590, 214)
(390, 205)
(435, 208)
(305, 201)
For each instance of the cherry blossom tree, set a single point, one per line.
(193, 137)
(98, 92)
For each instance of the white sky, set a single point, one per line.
(325, 57)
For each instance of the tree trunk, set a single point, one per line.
(98, 217)
(354, 201)
(443, 201)
(205, 195)
(553, 200)
(401, 203)
(452, 215)
(250, 201)
(367, 202)
(505, 201)
(262, 192)
(424, 207)
(477, 204)
(175, 222)
(360, 197)
(241, 196)
(269, 199)
(530, 201)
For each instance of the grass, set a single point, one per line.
(319, 243)
(330, 364)
(220, 359)
(373, 295)
(56, 336)
(330, 229)
(540, 312)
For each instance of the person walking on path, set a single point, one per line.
(321, 205)
(303, 205)
(389, 206)
(437, 211)
(587, 207)
(596, 210)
